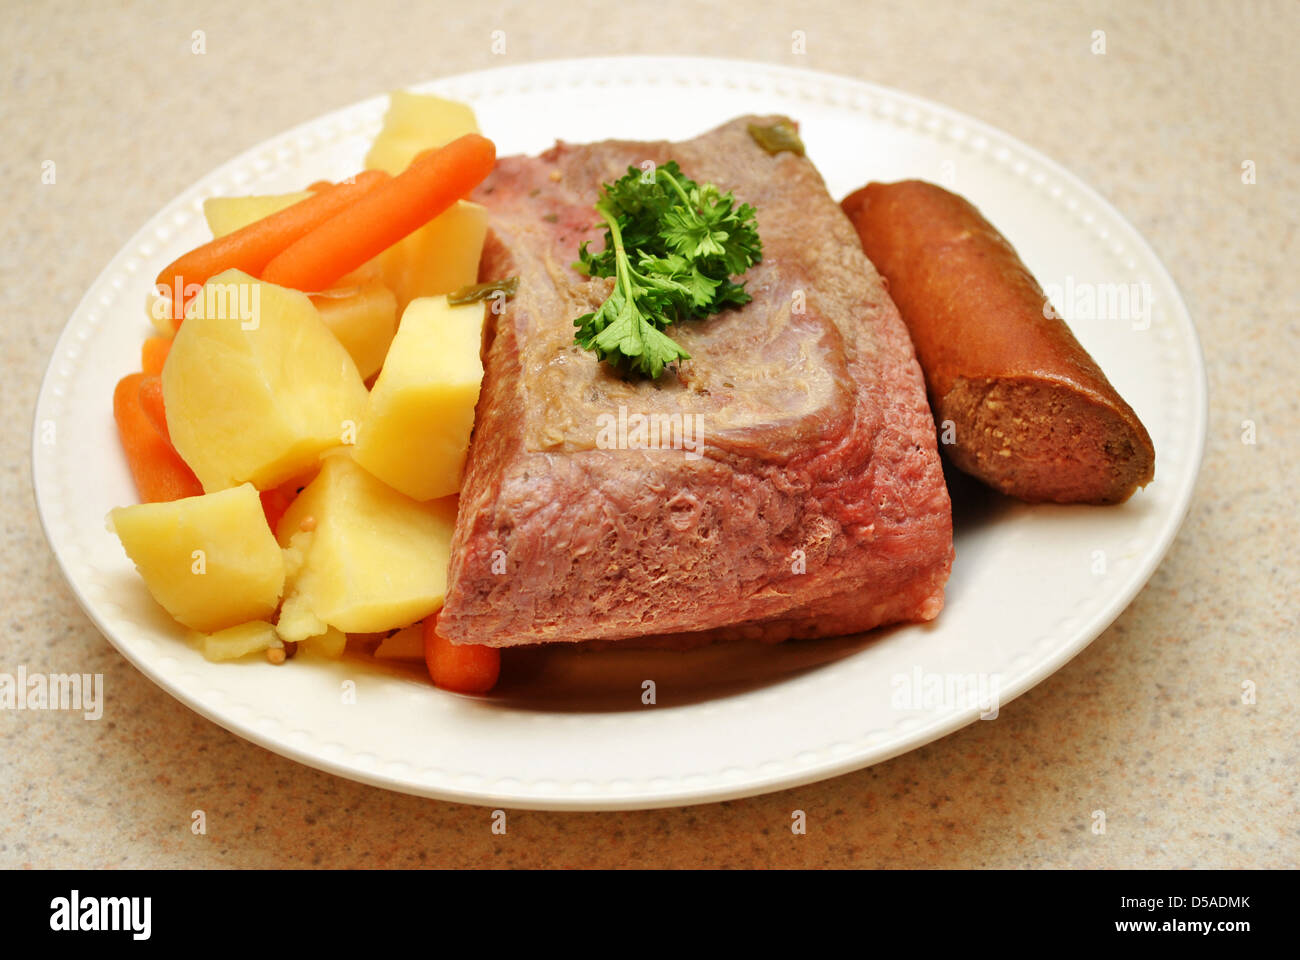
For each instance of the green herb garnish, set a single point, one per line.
(673, 247)
(777, 138)
(483, 291)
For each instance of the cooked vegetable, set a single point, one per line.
(151, 401)
(238, 641)
(777, 138)
(415, 433)
(362, 557)
(460, 668)
(440, 257)
(329, 644)
(252, 247)
(672, 246)
(507, 288)
(153, 354)
(275, 502)
(225, 215)
(259, 397)
(432, 183)
(266, 335)
(416, 122)
(210, 560)
(405, 644)
(362, 318)
(158, 470)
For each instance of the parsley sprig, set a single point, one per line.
(673, 247)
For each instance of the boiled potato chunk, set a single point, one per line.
(416, 122)
(211, 561)
(329, 644)
(363, 558)
(440, 257)
(415, 432)
(235, 642)
(256, 387)
(298, 619)
(225, 215)
(363, 319)
(159, 309)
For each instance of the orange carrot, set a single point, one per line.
(151, 401)
(159, 472)
(433, 182)
(252, 247)
(460, 668)
(153, 354)
(275, 503)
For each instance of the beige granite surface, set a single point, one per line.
(1147, 723)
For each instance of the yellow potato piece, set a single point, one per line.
(235, 642)
(362, 318)
(416, 122)
(297, 620)
(362, 557)
(211, 561)
(440, 257)
(225, 215)
(330, 644)
(256, 387)
(415, 432)
(159, 309)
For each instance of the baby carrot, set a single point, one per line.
(159, 472)
(252, 247)
(275, 502)
(433, 182)
(460, 668)
(151, 401)
(153, 354)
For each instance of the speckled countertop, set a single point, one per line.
(1147, 723)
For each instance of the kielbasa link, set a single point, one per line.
(1032, 414)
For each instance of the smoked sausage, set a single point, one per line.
(1019, 403)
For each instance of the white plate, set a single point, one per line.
(1031, 586)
